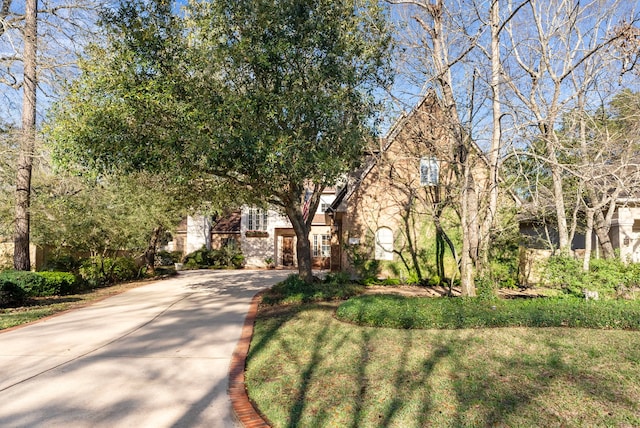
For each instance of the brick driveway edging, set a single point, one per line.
(243, 407)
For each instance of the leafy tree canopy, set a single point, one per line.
(273, 96)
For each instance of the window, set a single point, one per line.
(636, 226)
(429, 171)
(321, 245)
(231, 243)
(257, 219)
(324, 207)
(384, 244)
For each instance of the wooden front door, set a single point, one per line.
(287, 251)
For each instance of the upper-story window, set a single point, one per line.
(429, 171)
(257, 219)
(324, 207)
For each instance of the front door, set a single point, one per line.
(287, 251)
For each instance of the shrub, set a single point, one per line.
(337, 278)
(376, 281)
(62, 282)
(604, 276)
(199, 258)
(504, 255)
(122, 269)
(191, 264)
(228, 256)
(454, 313)
(17, 286)
(99, 271)
(293, 290)
(166, 258)
(62, 263)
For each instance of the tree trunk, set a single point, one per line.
(443, 69)
(601, 223)
(601, 227)
(440, 255)
(467, 263)
(490, 214)
(558, 193)
(21, 258)
(303, 246)
(587, 240)
(150, 253)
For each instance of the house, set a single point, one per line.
(267, 237)
(540, 239)
(407, 181)
(408, 172)
(264, 235)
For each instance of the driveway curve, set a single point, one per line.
(154, 356)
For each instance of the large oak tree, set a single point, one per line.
(275, 97)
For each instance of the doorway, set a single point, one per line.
(287, 251)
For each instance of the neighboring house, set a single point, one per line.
(625, 230)
(37, 255)
(540, 238)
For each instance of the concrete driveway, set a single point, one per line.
(155, 356)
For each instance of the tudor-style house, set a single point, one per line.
(406, 182)
(368, 213)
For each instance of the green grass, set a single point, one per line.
(43, 307)
(413, 312)
(307, 369)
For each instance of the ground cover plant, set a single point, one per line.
(451, 313)
(293, 290)
(306, 368)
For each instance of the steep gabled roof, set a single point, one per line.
(356, 177)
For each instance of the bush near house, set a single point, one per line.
(293, 290)
(168, 258)
(62, 262)
(17, 286)
(61, 283)
(227, 257)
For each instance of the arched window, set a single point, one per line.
(384, 244)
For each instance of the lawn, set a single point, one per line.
(307, 369)
(46, 306)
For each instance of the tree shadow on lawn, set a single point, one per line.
(444, 378)
(548, 389)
